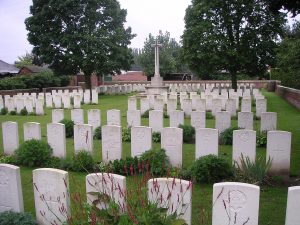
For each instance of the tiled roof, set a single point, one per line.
(6, 68)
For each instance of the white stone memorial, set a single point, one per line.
(83, 137)
(261, 106)
(145, 105)
(293, 205)
(56, 137)
(268, 121)
(141, 140)
(94, 118)
(111, 143)
(176, 118)
(32, 130)
(156, 120)
(245, 120)
(10, 137)
(223, 121)
(113, 117)
(57, 115)
(133, 118)
(206, 142)
(243, 146)
(198, 119)
(77, 116)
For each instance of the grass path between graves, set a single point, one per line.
(272, 199)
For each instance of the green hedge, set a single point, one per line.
(39, 80)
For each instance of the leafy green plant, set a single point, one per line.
(166, 115)
(4, 111)
(98, 133)
(253, 172)
(156, 136)
(24, 112)
(33, 153)
(32, 114)
(8, 159)
(69, 125)
(145, 114)
(14, 218)
(209, 115)
(13, 113)
(126, 134)
(83, 161)
(226, 135)
(261, 139)
(129, 166)
(188, 133)
(211, 169)
(157, 160)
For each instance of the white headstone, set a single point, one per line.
(133, 118)
(132, 103)
(94, 118)
(216, 106)
(77, 116)
(49, 103)
(57, 115)
(32, 130)
(176, 118)
(9, 104)
(261, 106)
(293, 204)
(172, 194)
(141, 140)
(245, 120)
(198, 119)
(113, 117)
(39, 107)
(94, 96)
(243, 145)
(171, 105)
(207, 142)
(159, 104)
(112, 185)
(83, 137)
(268, 121)
(11, 198)
(279, 151)
(171, 141)
(20, 104)
(87, 97)
(111, 143)
(246, 105)
(77, 101)
(57, 101)
(186, 106)
(200, 105)
(235, 203)
(56, 137)
(223, 121)
(29, 105)
(10, 136)
(51, 196)
(145, 105)
(156, 120)
(231, 107)
(66, 101)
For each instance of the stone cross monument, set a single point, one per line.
(156, 86)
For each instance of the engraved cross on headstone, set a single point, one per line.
(156, 46)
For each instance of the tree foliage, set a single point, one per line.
(292, 6)
(231, 35)
(79, 34)
(169, 55)
(288, 59)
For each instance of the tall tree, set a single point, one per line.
(24, 60)
(74, 35)
(292, 6)
(169, 56)
(232, 35)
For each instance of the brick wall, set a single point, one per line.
(289, 94)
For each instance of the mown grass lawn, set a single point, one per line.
(272, 200)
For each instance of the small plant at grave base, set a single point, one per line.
(157, 160)
(253, 172)
(54, 162)
(15, 218)
(256, 117)
(261, 139)
(98, 133)
(7, 159)
(145, 114)
(13, 113)
(33, 153)
(211, 169)
(227, 135)
(126, 134)
(188, 133)
(24, 112)
(82, 161)
(69, 125)
(166, 115)
(156, 136)
(129, 167)
(32, 114)
(4, 111)
(209, 115)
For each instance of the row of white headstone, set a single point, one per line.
(244, 142)
(199, 104)
(55, 99)
(232, 202)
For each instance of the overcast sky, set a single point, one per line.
(143, 16)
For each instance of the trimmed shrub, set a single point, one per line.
(188, 133)
(211, 169)
(145, 114)
(4, 111)
(24, 112)
(129, 166)
(227, 135)
(261, 139)
(157, 160)
(69, 124)
(98, 133)
(8, 159)
(13, 113)
(33, 153)
(14, 218)
(126, 134)
(166, 115)
(83, 161)
(209, 115)
(156, 136)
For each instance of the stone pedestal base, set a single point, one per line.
(157, 81)
(156, 90)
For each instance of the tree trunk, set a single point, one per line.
(87, 79)
(233, 80)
